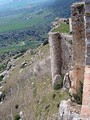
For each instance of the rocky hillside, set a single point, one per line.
(26, 88)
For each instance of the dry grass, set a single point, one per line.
(33, 94)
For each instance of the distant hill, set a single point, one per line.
(29, 20)
(17, 4)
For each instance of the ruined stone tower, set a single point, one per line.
(85, 111)
(56, 62)
(60, 53)
(78, 31)
(81, 54)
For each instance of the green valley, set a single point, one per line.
(29, 22)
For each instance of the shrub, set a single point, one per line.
(1, 78)
(16, 106)
(17, 117)
(53, 96)
(2, 67)
(78, 96)
(58, 86)
(45, 42)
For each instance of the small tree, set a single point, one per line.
(17, 117)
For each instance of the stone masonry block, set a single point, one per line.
(87, 60)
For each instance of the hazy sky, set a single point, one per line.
(4, 1)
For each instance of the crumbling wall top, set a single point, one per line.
(78, 4)
(78, 8)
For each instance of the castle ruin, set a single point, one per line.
(81, 54)
(60, 55)
(85, 111)
(78, 31)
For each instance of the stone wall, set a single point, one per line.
(60, 63)
(60, 51)
(85, 111)
(56, 60)
(78, 31)
(66, 48)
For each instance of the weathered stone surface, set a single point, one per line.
(66, 53)
(2, 95)
(70, 24)
(87, 9)
(60, 51)
(69, 111)
(72, 91)
(42, 67)
(5, 74)
(21, 115)
(55, 52)
(78, 43)
(85, 111)
(24, 64)
(11, 64)
(66, 81)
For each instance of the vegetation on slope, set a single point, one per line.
(33, 94)
(29, 22)
(22, 46)
(62, 28)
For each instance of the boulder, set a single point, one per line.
(42, 67)
(10, 64)
(21, 115)
(69, 110)
(24, 64)
(66, 81)
(4, 74)
(2, 96)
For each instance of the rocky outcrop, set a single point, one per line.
(69, 111)
(10, 64)
(2, 96)
(42, 67)
(24, 64)
(5, 74)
